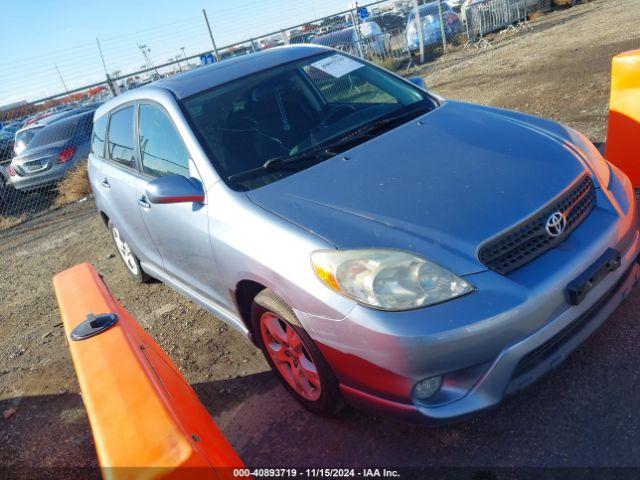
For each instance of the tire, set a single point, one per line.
(131, 262)
(278, 331)
(14, 200)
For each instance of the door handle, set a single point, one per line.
(144, 203)
(106, 184)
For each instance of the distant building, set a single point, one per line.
(11, 106)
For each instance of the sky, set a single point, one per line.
(38, 36)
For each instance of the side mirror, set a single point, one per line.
(418, 82)
(174, 189)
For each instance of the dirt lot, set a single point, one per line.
(584, 414)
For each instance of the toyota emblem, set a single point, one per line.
(556, 224)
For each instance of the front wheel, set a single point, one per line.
(293, 355)
(128, 257)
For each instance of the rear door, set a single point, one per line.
(180, 230)
(117, 183)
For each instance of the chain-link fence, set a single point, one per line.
(44, 143)
(490, 16)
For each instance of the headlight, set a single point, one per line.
(19, 147)
(387, 279)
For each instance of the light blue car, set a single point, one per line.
(414, 256)
(432, 28)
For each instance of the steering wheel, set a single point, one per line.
(344, 109)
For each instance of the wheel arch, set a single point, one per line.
(245, 292)
(104, 217)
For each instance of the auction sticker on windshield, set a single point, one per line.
(337, 65)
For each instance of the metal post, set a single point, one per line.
(419, 32)
(354, 17)
(61, 79)
(444, 37)
(213, 42)
(114, 90)
(357, 24)
(285, 39)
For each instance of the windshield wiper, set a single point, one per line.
(278, 163)
(331, 149)
(274, 163)
(368, 128)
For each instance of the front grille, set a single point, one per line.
(555, 343)
(530, 239)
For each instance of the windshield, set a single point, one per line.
(23, 137)
(281, 113)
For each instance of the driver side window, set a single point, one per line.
(162, 150)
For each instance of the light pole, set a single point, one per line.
(146, 53)
(61, 79)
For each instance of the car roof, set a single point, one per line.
(30, 126)
(189, 83)
(54, 117)
(52, 126)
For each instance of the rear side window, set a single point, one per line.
(55, 132)
(120, 137)
(97, 136)
(161, 148)
(25, 136)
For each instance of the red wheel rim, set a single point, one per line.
(290, 356)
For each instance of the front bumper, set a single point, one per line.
(492, 343)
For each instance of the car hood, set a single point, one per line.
(439, 186)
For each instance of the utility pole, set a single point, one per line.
(444, 37)
(213, 42)
(104, 65)
(114, 89)
(61, 79)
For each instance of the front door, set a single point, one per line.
(179, 230)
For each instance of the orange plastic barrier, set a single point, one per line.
(147, 421)
(623, 136)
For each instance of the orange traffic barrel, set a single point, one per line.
(623, 135)
(147, 421)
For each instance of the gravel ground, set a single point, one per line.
(583, 414)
